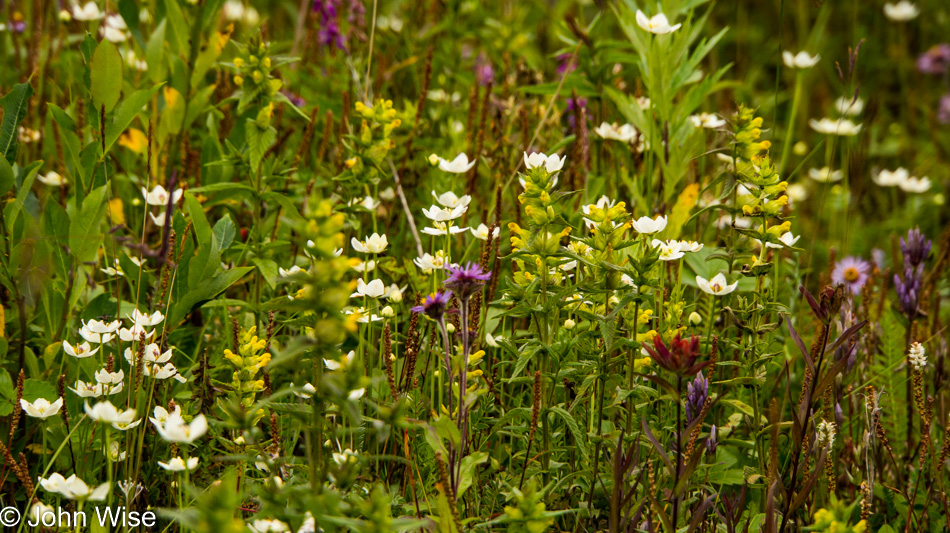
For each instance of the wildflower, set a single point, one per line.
(348, 456)
(707, 120)
(669, 251)
(689, 246)
(787, 239)
(943, 111)
(849, 106)
(712, 442)
(107, 413)
(307, 390)
(114, 29)
(73, 488)
(915, 250)
(367, 203)
(52, 178)
(289, 272)
(90, 390)
(101, 327)
(387, 312)
(268, 526)
(444, 214)
(41, 407)
(175, 429)
(337, 365)
(917, 356)
(466, 280)
(356, 394)
(717, 286)
(484, 73)
(680, 357)
(695, 319)
(830, 126)
(935, 61)
(79, 351)
(625, 133)
(852, 272)
(801, 60)
(144, 320)
(696, 393)
(902, 11)
(177, 464)
(459, 165)
(443, 228)
(916, 247)
(658, 24)
(159, 196)
(825, 434)
(160, 414)
(649, 225)
(374, 244)
(373, 289)
(481, 232)
(435, 305)
(569, 324)
(89, 11)
(109, 378)
(450, 200)
(891, 178)
(552, 163)
(915, 185)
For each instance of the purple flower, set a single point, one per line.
(935, 61)
(484, 73)
(329, 32)
(696, 393)
(466, 280)
(943, 111)
(294, 99)
(435, 304)
(916, 247)
(580, 103)
(565, 63)
(852, 272)
(712, 441)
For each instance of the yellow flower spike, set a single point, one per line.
(476, 357)
(646, 337)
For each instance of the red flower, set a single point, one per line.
(680, 357)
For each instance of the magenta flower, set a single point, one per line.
(466, 280)
(852, 272)
(435, 305)
(935, 61)
(680, 357)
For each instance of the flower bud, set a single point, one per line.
(239, 81)
(395, 296)
(388, 312)
(569, 324)
(433, 160)
(695, 319)
(450, 328)
(65, 16)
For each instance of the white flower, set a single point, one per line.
(90, 390)
(365, 266)
(309, 525)
(658, 24)
(268, 526)
(717, 286)
(366, 202)
(373, 289)
(901, 11)
(133, 61)
(891, 178)
(100, 326)
(146, 320)
(429, 262)
(158, 220)
(787, 238)
(107, 413)
(669, 251)
(846, 106)
(308, 391)
(80, 350)
(74, 488)
(481, 232)
(356, 394)
(917, 356)
(347, 456)
(39, 510)
(825, 434)
(450, 200)
(825, 174)
(801, 60)
(552, 163)
(374, 244)
(52, 178)
(41, 408)
(160, 372)
(175, 429)
(89, 11)
(830, 126)
(159, 196)
(459, 165)
(625, 133)
(290, 272)
(443, 228)
(649, 225)
(689, 246)
(444, 214)
(707, 120)
(109, 378)
(114, 29)
(114, 453)
(161, 414)
(365, 317)
(916, 185)
(342, 363)
(177, 464)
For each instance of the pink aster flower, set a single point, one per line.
(852, 272)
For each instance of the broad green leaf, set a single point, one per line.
(204, 292)
(268, 269)
(7, 179)
(469, 463)
(14, 106)
(224, 232)
(126, 113)
(106, 78)
(155, 52)
(259, 140)
(67, 132)
(12, 209)
(580, 437)
(202, 228)
(84, 234)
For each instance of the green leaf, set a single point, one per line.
(126, 113)
(34, 389)
(84, 234)
(14, 106)
(268, 269)
(155, 52)
(7, 180)
(580, 437)
(12, 209)
(106, 81)
(469, 463)
(259, 140)
(67, 131)
(204, 292)
(224, 232)
(202, 228)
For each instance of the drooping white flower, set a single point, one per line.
(849, 106)
(801, 60)
(707, 120)
(669, 251)
(79, 351)
(373, 289)
(159, 196)
(825, 175)
(902, 11)
(444, 214)
(459, 165)
(481, 232)
(915, 185)
(41, 407)
(625, 133)
(891, 178)
(450, 200)
(52, 178)
(689, 246)
(74, 488)
(177, 464)
(917, 355)
(649, 225)
(830, 126)
(787, 238)
(717, 286)
(552, 163)
(657, 24)
(175, 429)
(374, 244)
